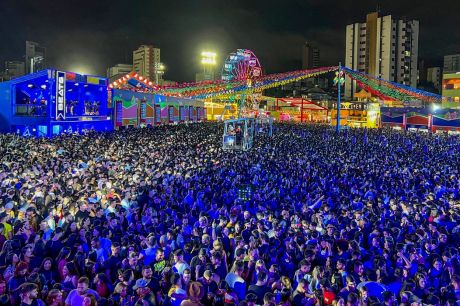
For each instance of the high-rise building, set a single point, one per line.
(310, 56)
(382, 47)
(434, 76)
(451, 88)
(421, 76)
(35, 57)
(451, 63)
(146, 62)
(14, 69)
(119, 70)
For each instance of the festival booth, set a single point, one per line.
(406, 118)
(133, 109)
(356, 114)
(392, 119)
(299, 110)
(428, 119)
(447, 120)
(363, 111)
(136, 104)
(51, 102)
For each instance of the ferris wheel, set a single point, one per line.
(241, 65)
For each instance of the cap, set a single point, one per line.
(140, 283)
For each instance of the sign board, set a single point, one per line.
(60, 95)
(143, 111)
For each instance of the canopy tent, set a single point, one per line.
(303, 104)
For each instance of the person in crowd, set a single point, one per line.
(54, 298)
(163, 215)
(78, 295)
(28, 293)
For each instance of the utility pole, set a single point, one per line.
(339, 80)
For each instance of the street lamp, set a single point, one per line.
(159, 70)
(208, 60)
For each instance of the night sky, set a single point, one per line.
(89, 36)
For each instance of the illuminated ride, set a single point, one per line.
(243, 66)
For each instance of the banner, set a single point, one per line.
(119, 113)
(60, 95)
(171, 114)
(157, 114)
(93, 80)
(143, 111)
(181, 113)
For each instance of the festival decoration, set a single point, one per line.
(250, 82)
(387, 89)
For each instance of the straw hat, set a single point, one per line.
(196, 292)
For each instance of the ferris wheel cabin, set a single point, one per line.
(238, 134)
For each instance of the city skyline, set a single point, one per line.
(92, 36)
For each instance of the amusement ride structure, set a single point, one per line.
(242, 65)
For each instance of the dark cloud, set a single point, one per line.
(98, 34)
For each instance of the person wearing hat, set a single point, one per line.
(195, 294)
(144, 295)
(198, 263)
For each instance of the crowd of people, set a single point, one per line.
(164, 216)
